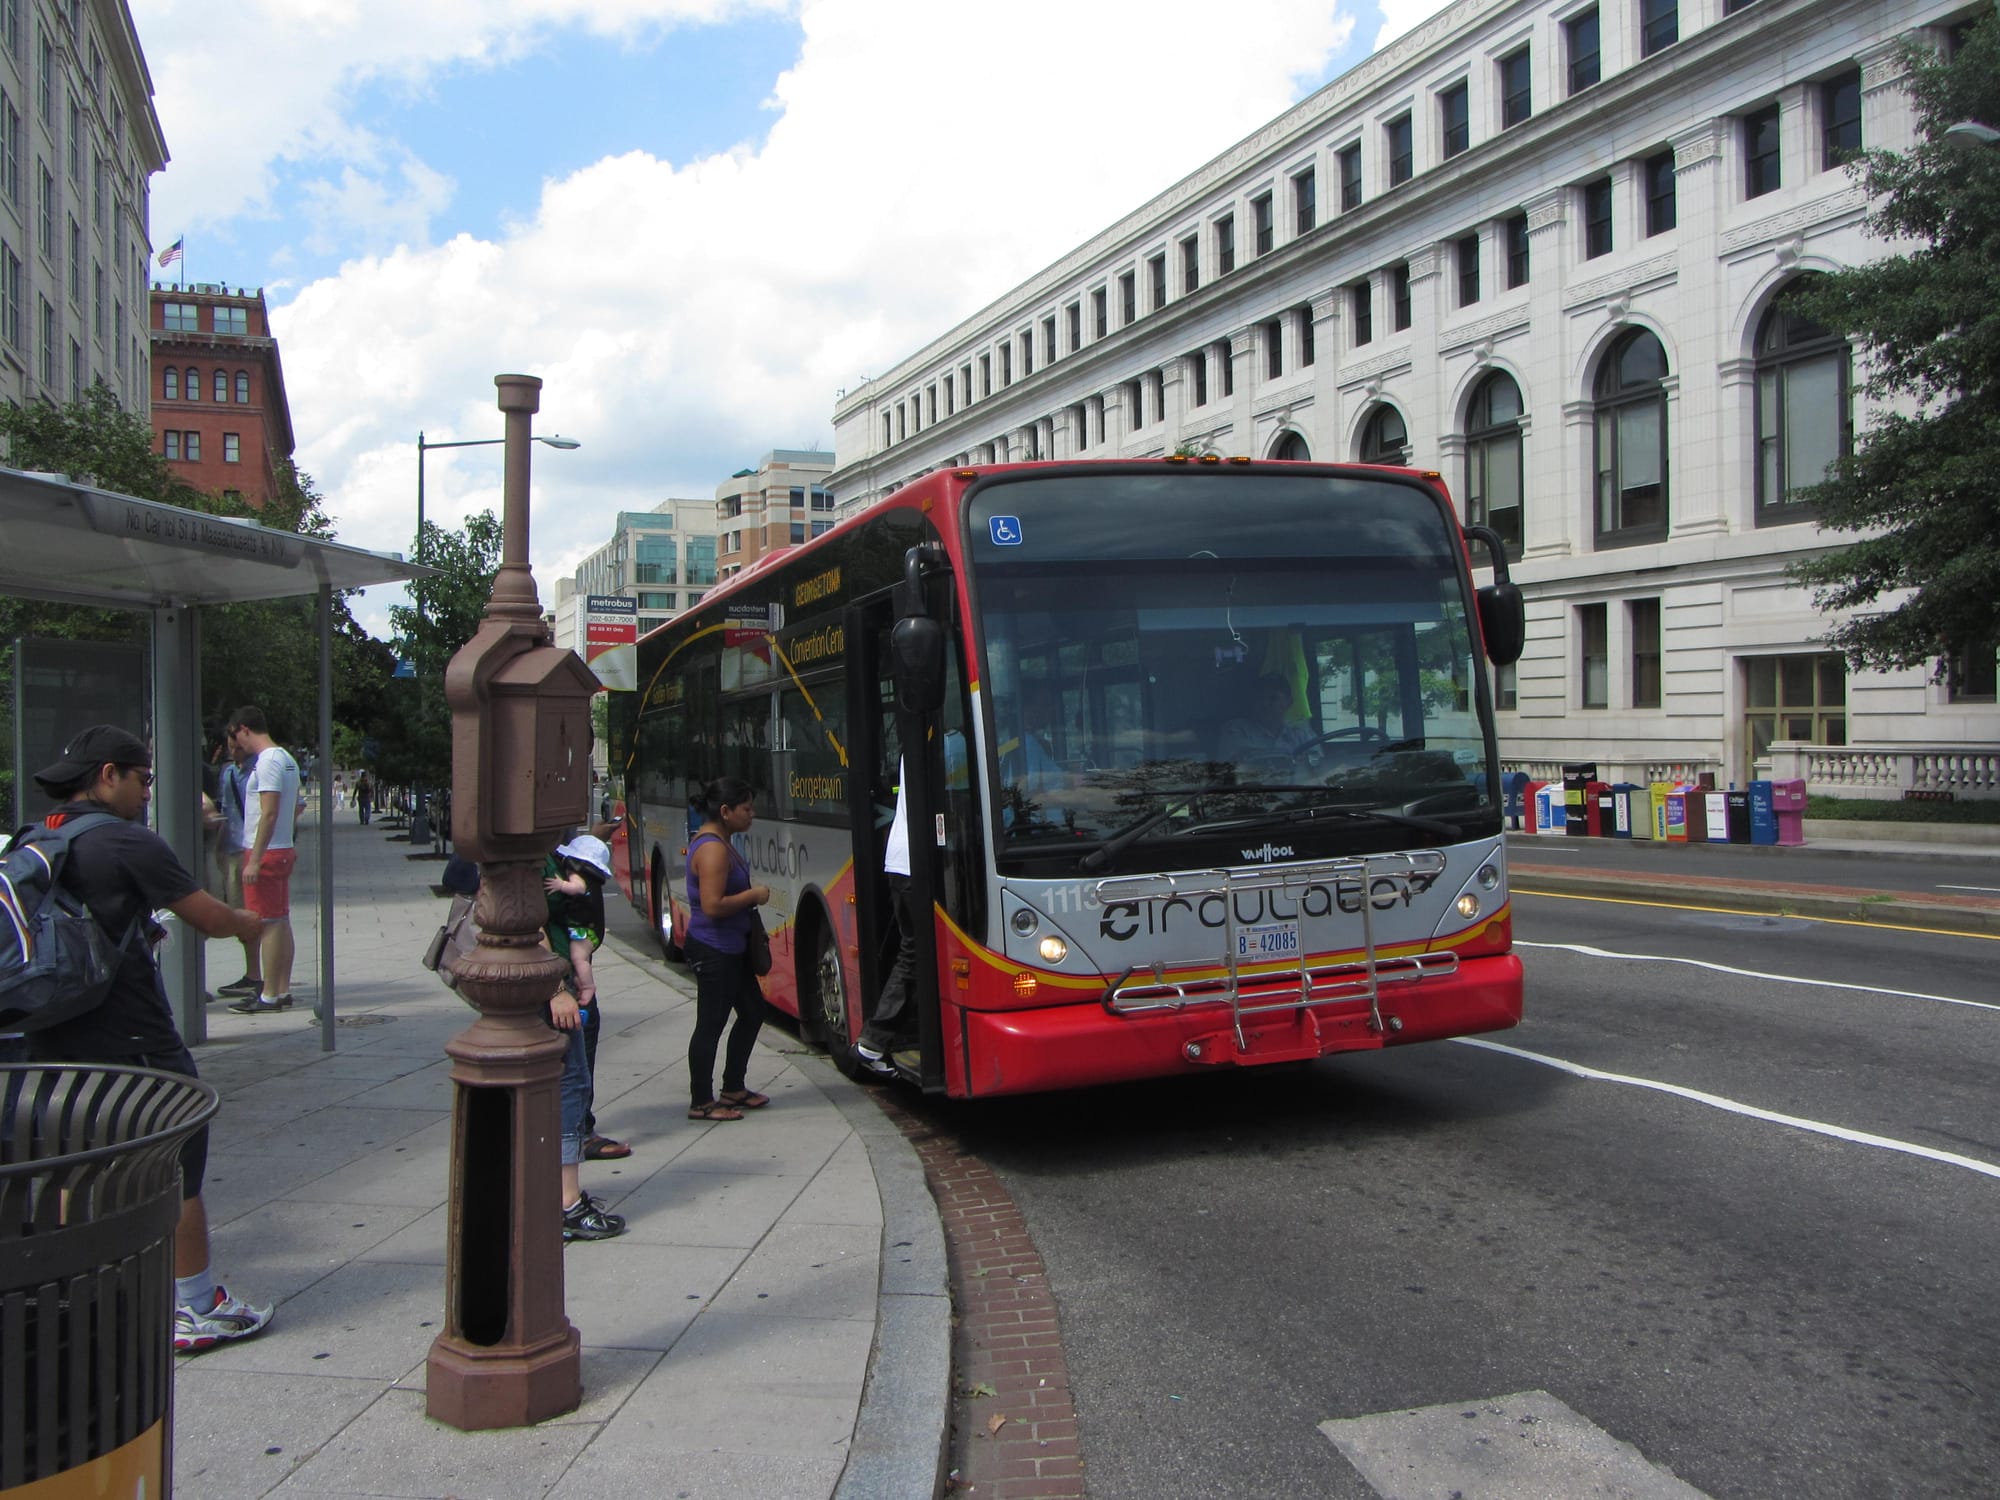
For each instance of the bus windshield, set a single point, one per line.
(1185, 653)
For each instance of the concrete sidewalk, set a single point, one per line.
(750, 1334)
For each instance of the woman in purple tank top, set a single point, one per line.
(717, 948)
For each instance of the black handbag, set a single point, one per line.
(758, 948)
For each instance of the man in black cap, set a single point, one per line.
(123, 872)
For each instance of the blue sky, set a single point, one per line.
(696, 219)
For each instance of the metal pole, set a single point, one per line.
(419, 554)
(326, 1015)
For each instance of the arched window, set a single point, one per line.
(1493, 458)
(221, 386)
(1384, 438)
(1292, 448)
(242, 387)
(1805, 409)
(1632, 441)
(170, 382)
(192, 383)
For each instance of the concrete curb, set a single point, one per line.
(1776, 900)
(901, 1434)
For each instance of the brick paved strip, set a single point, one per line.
(1008, 1335)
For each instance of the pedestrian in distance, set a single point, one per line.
(270, 812)
(718, 950)
(364, 798)
(122, 871)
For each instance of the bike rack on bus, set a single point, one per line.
(1329, 984)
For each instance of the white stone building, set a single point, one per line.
(1540, 247)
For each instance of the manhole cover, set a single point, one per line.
(371, 1019)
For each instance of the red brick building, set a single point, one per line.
(219, 410)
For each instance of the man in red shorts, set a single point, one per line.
(270, 812)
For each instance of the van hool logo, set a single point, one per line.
(1268, 853)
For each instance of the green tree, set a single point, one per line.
(1922, 489)
(443, 613)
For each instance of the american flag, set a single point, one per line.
(173, 252)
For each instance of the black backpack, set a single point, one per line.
(55, 961)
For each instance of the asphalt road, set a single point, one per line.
(1764, 1308)
(1942, 869)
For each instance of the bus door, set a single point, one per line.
(877, 732)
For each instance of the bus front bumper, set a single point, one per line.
(1075, 1046)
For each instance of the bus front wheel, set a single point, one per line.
(830, 1024)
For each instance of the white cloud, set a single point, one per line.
(1400, 17)
(688, 316)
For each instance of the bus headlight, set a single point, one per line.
(1053, 949)
(1468, 906)
(1488, 877)
(1024, 921)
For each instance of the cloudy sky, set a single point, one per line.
(696, 220)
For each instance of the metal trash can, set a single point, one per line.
(90, 1191)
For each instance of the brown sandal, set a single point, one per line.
(715, 1109)
(744, 1098)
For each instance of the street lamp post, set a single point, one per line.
(424, 447)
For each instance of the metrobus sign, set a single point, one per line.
(610, 639)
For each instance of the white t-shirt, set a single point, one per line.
(896, 857)
(273, 771)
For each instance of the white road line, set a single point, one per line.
(1732, 1106)
(1701, 963)
(1991, 890)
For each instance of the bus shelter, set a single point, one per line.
(73, 543)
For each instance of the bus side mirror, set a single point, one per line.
(1503, 615)
(916, 654)
(1503, 620)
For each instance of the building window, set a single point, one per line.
(1157, 268)
(1593, 684)
(1362, 295)
(1100, 315)
(10, 123)
(1762, 169)
(1517, 251)
(1350, 178)
(1073, 322)
(232, 320)
(1455, 120)
(1631, 459)
(45, 77)
(1396, 140)
(171, 444)
(1027, 341)
(1597, 218)
(170, 383)
(1198, 378)
(1506, 687)
(1805, 415)
(1642, 625)
(1048, 341)
(1135, 403)
(985, 375)
(1291, 448)
(1585, 60)
(1261, 225)
(75, 370)
(10, 298)
(221, 387)
(1517, 89)
(1840, 119)
(1384, 438)
(1466, 251)
(1225, 244)
(1799, 698)
(1128, 298)
(965, 382)
(1274, 349)
(191, 383)
(191, 446)
(232, 448)
(1190, 264)
(179, 317)
(48, 346)
(1970, 673)
(1226, 361)
(1305, 201)
(46, 211)
(1006, 365)
(1659, 25)
(1399, 295)
(1493, 463)
(1305, 316)
(1661, 211)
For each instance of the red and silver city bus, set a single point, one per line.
(1198, 757)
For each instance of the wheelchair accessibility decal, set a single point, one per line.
(1005, 530)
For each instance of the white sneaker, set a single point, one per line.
(871, 1061)
(228, 1319)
